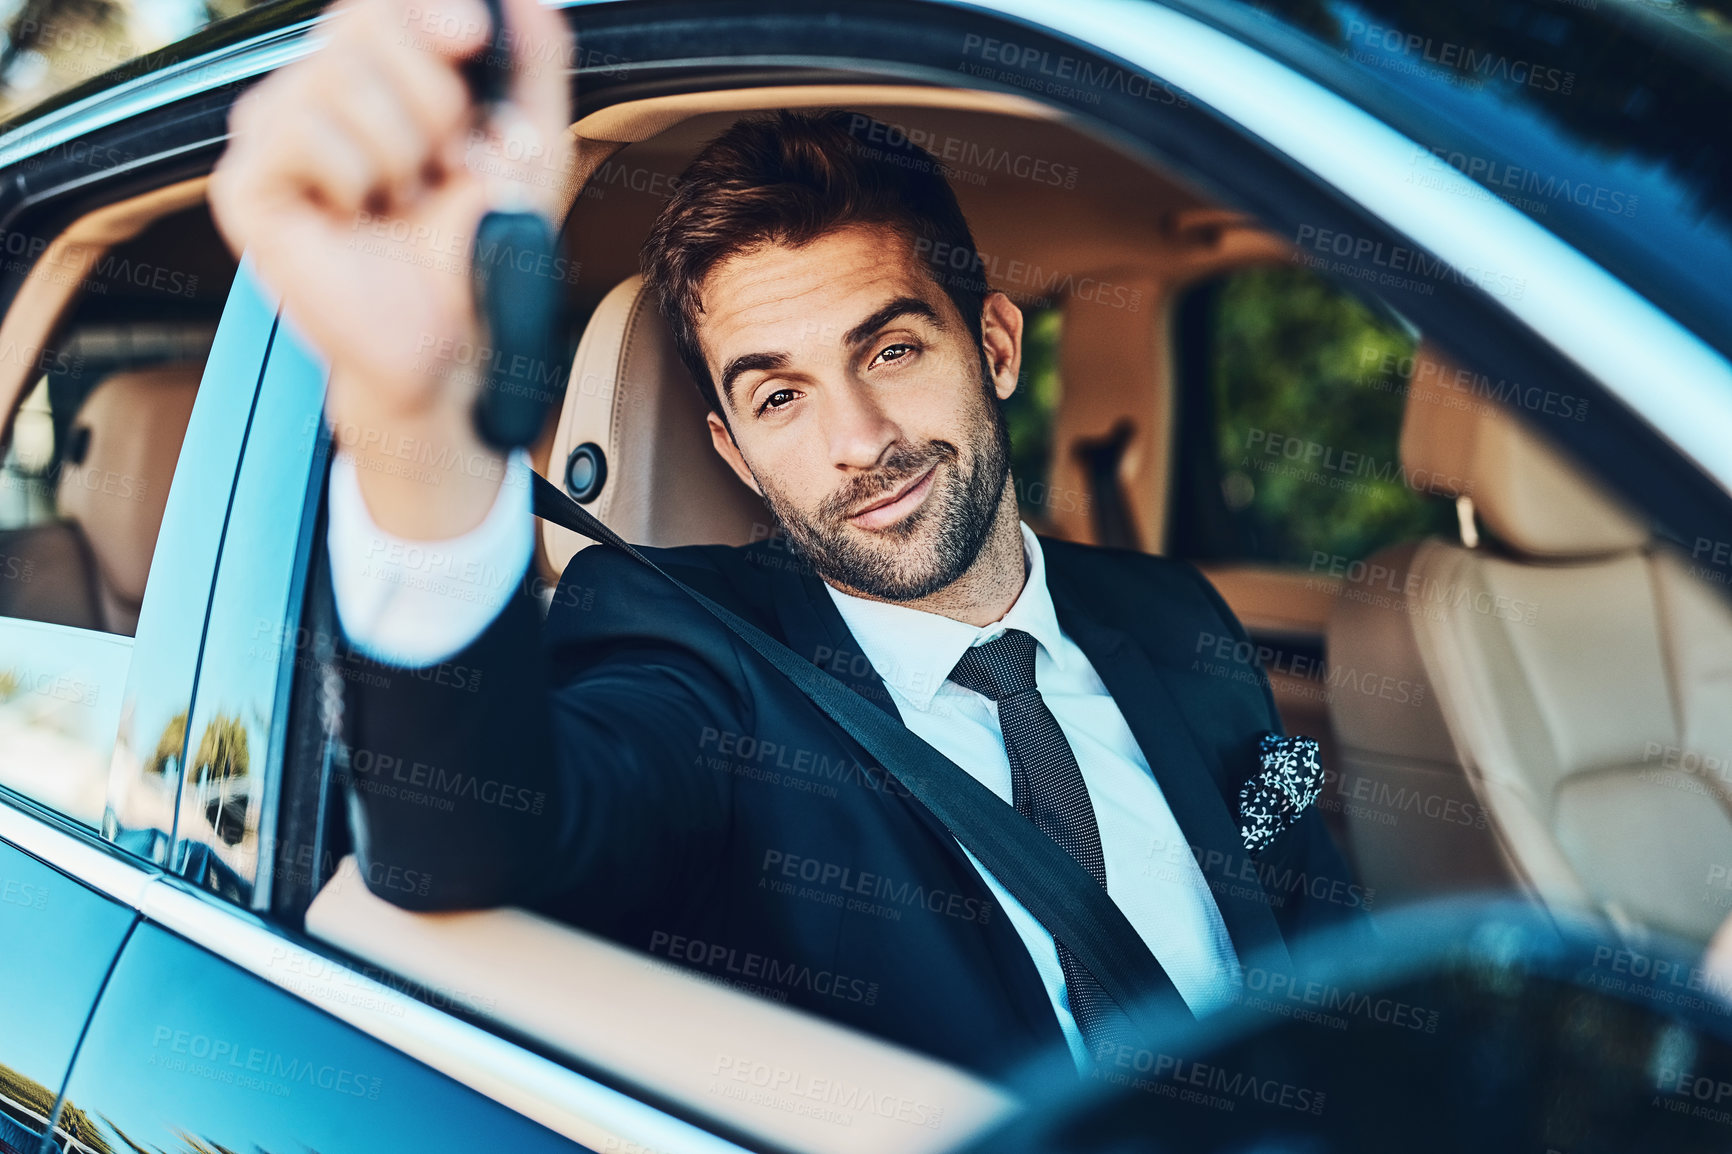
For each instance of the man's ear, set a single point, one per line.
(1001, 341)
(723, 440)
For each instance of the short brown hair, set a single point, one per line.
(789, 179)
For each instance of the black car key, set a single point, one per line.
(516, 297)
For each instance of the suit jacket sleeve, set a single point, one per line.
(549, 763)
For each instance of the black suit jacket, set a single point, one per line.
(632, 768)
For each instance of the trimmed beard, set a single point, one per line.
(931, 547)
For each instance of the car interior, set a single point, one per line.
(93, 446)
(1522, 758)
(1565, 674)
(1567, 725)
(99, 371)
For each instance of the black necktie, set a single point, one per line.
(1047, 787)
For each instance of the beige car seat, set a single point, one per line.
(635, 421)
(88, 569)
(1580, 681)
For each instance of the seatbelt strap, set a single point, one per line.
(1049, 883)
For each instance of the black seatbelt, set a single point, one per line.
(1049, 883)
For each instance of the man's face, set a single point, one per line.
(860, 407)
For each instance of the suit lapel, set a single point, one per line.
(1180, 768)
(813, 628)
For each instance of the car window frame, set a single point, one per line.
(690, 59)
(1240, 154)
(245, 597)
(1400, 99)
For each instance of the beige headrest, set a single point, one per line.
(630, 395)
(1456, 439)
(116, 492)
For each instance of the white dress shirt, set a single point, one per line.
(416, 603)
(1165, 897)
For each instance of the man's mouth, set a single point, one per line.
(893, 507)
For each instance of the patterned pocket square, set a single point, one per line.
(1274, 799)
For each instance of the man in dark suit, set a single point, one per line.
(629, 765)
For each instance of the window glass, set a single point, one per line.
(1297, 395)
(253, 642)
(25, 496)
(86, 465)
(1516, 674)
(85, 469)
(85, 479)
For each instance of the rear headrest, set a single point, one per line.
(114, 481)
(630, 398)
(1535, 501)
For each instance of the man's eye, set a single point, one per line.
(777, 399)
(893, 352)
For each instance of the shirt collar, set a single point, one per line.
(914, 651)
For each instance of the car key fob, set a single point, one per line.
(516, 294)
(517, 298)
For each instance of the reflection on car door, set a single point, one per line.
(57, 941)
(187, 1053)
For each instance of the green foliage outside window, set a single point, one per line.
(1031, 410)
(1309, 389)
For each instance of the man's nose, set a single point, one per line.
(858, 428)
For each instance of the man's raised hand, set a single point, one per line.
(355, 179)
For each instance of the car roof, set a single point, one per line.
(1601, 122)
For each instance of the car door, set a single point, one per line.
(215, 1029)
(98, 503)
(219, 1028)
(60, 939)
(189, 1052)
(143, 993)
(208, 929)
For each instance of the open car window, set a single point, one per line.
(1439, 532)
(1409, 666)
